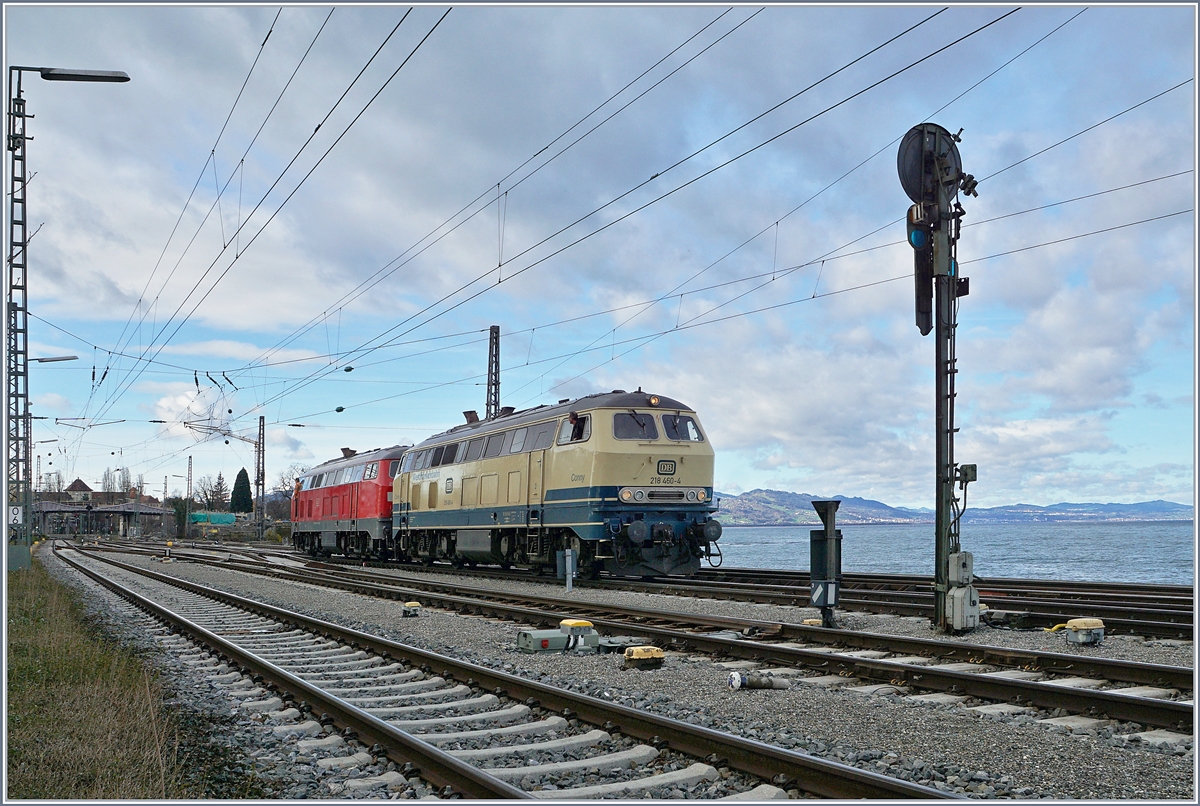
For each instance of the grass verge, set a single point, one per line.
(86, 716)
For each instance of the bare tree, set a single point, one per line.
(279, 504)
(212, 494)
(110, 482)
(54, 482)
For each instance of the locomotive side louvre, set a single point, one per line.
(517, 489)
(345, 505)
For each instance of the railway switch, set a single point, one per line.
(410, 610)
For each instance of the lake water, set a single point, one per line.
(1146, 551)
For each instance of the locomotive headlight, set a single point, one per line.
(691, 495)
(638, 495)
(653, 400)
(627, 494)
(701, 495)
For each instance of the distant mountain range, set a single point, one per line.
(777, 508)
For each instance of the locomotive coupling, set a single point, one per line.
(712, 530)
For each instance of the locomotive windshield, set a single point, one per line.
(680, 427)
(634, 426)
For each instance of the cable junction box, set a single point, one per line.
(552, 640)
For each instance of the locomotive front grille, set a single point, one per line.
(665, 495)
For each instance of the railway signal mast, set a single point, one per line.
(931, 174)
(493, 376)
(259, 444)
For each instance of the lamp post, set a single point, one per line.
(18, 491)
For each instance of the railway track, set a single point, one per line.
(1161, 611)
(468, 729)
(1148, 694)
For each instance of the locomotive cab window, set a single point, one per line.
(474, 448)
(518, 440)
(494, 445)
(568, 430)
(371, 472)
(541, 437)
(448, 456)
(634, 426)
(681, 428)
(354, 474)
(393, 467)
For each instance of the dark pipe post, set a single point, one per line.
(825, 561)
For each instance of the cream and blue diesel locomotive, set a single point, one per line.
(627, 484)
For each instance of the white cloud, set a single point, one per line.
(832, 395)
(52, 401)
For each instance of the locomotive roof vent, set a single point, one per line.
(507, 410)
(348, 452)
(472, 416)
(565, 400)
(618, 391)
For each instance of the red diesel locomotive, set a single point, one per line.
(344, 506)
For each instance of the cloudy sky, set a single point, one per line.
(699, 201)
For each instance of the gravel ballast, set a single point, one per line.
(945, 747)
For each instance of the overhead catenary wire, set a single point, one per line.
(642, 340)
(832, 255)
(973, 223)
(400, 261)
(187, 203)
(238, 171)
(158, 346)
(137, 368)
(203, 170)
(367, 348)
(638, 342)
(307, 175)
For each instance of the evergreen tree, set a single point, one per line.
(241, 501)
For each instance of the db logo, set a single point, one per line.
(666, 467)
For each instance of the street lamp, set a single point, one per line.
(18, 492)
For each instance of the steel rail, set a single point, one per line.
(1164, 602)
(1160, 713)
(434, 765)
(457, 597)
(1166, 615)
(1163, 622)
(1060, 663)
(785, 768)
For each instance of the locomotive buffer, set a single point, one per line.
(931, 174)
